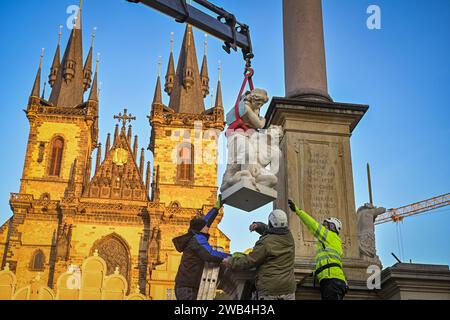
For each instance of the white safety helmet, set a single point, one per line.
(337, 223)
(278, 219)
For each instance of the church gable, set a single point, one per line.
(119, 177)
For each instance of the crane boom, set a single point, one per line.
(224, 27)
(413, 209)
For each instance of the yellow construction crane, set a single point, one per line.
(413, 209)
(397, 215)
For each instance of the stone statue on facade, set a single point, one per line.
(366, 216)
(248, 183)
(63, 242)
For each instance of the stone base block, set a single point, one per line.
(245, 196)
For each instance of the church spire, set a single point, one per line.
(219, 100)
(204, 73)
(157, 99)
(36, 91)
(187, 95)
(108, 144)
(142, 164)
(188, 65)
(43, 91)
(170, 76)
(116, 135)
(93, 96)
(87, 71)
(68, 87)
(130, 134)
(56, 61)
(135, 147)
(99, 157)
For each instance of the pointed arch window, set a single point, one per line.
(38, 261)
(56, 156)
(185, 165)
(116, 253)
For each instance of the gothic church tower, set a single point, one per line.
(63, 129)
(62, 136)
(184, 135)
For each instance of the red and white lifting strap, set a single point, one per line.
(239, 123)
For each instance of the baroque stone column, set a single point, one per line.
(305, 63)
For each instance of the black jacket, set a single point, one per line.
(196, 251)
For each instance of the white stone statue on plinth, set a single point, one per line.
(366, 216)
(248, 183)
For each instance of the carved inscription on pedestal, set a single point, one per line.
(320, 181)
(322, 187)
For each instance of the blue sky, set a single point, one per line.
(401, 71)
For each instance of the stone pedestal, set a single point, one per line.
(407, 281)
(245, 196)
(403, 281)
(316, 172)
(308, 290)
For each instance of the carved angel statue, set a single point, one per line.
(366, 216)
(251, 151)
(249, 109)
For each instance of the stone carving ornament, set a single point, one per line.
(115, 254)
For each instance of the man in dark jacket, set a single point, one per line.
(273, 257)
(196, 251)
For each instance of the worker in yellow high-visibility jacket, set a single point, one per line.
(329, 269)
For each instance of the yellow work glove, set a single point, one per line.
(219, 203)
(238, 255)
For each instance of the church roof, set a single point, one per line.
(73, 78)
(187, 95)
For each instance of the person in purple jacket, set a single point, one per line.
(196, 251)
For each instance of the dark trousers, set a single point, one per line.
(184, 293)
(333, 289)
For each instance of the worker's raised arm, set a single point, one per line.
(311, 224)
(259, 227)
(309, 221)
(212, 214)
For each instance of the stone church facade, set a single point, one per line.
(79, 198)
